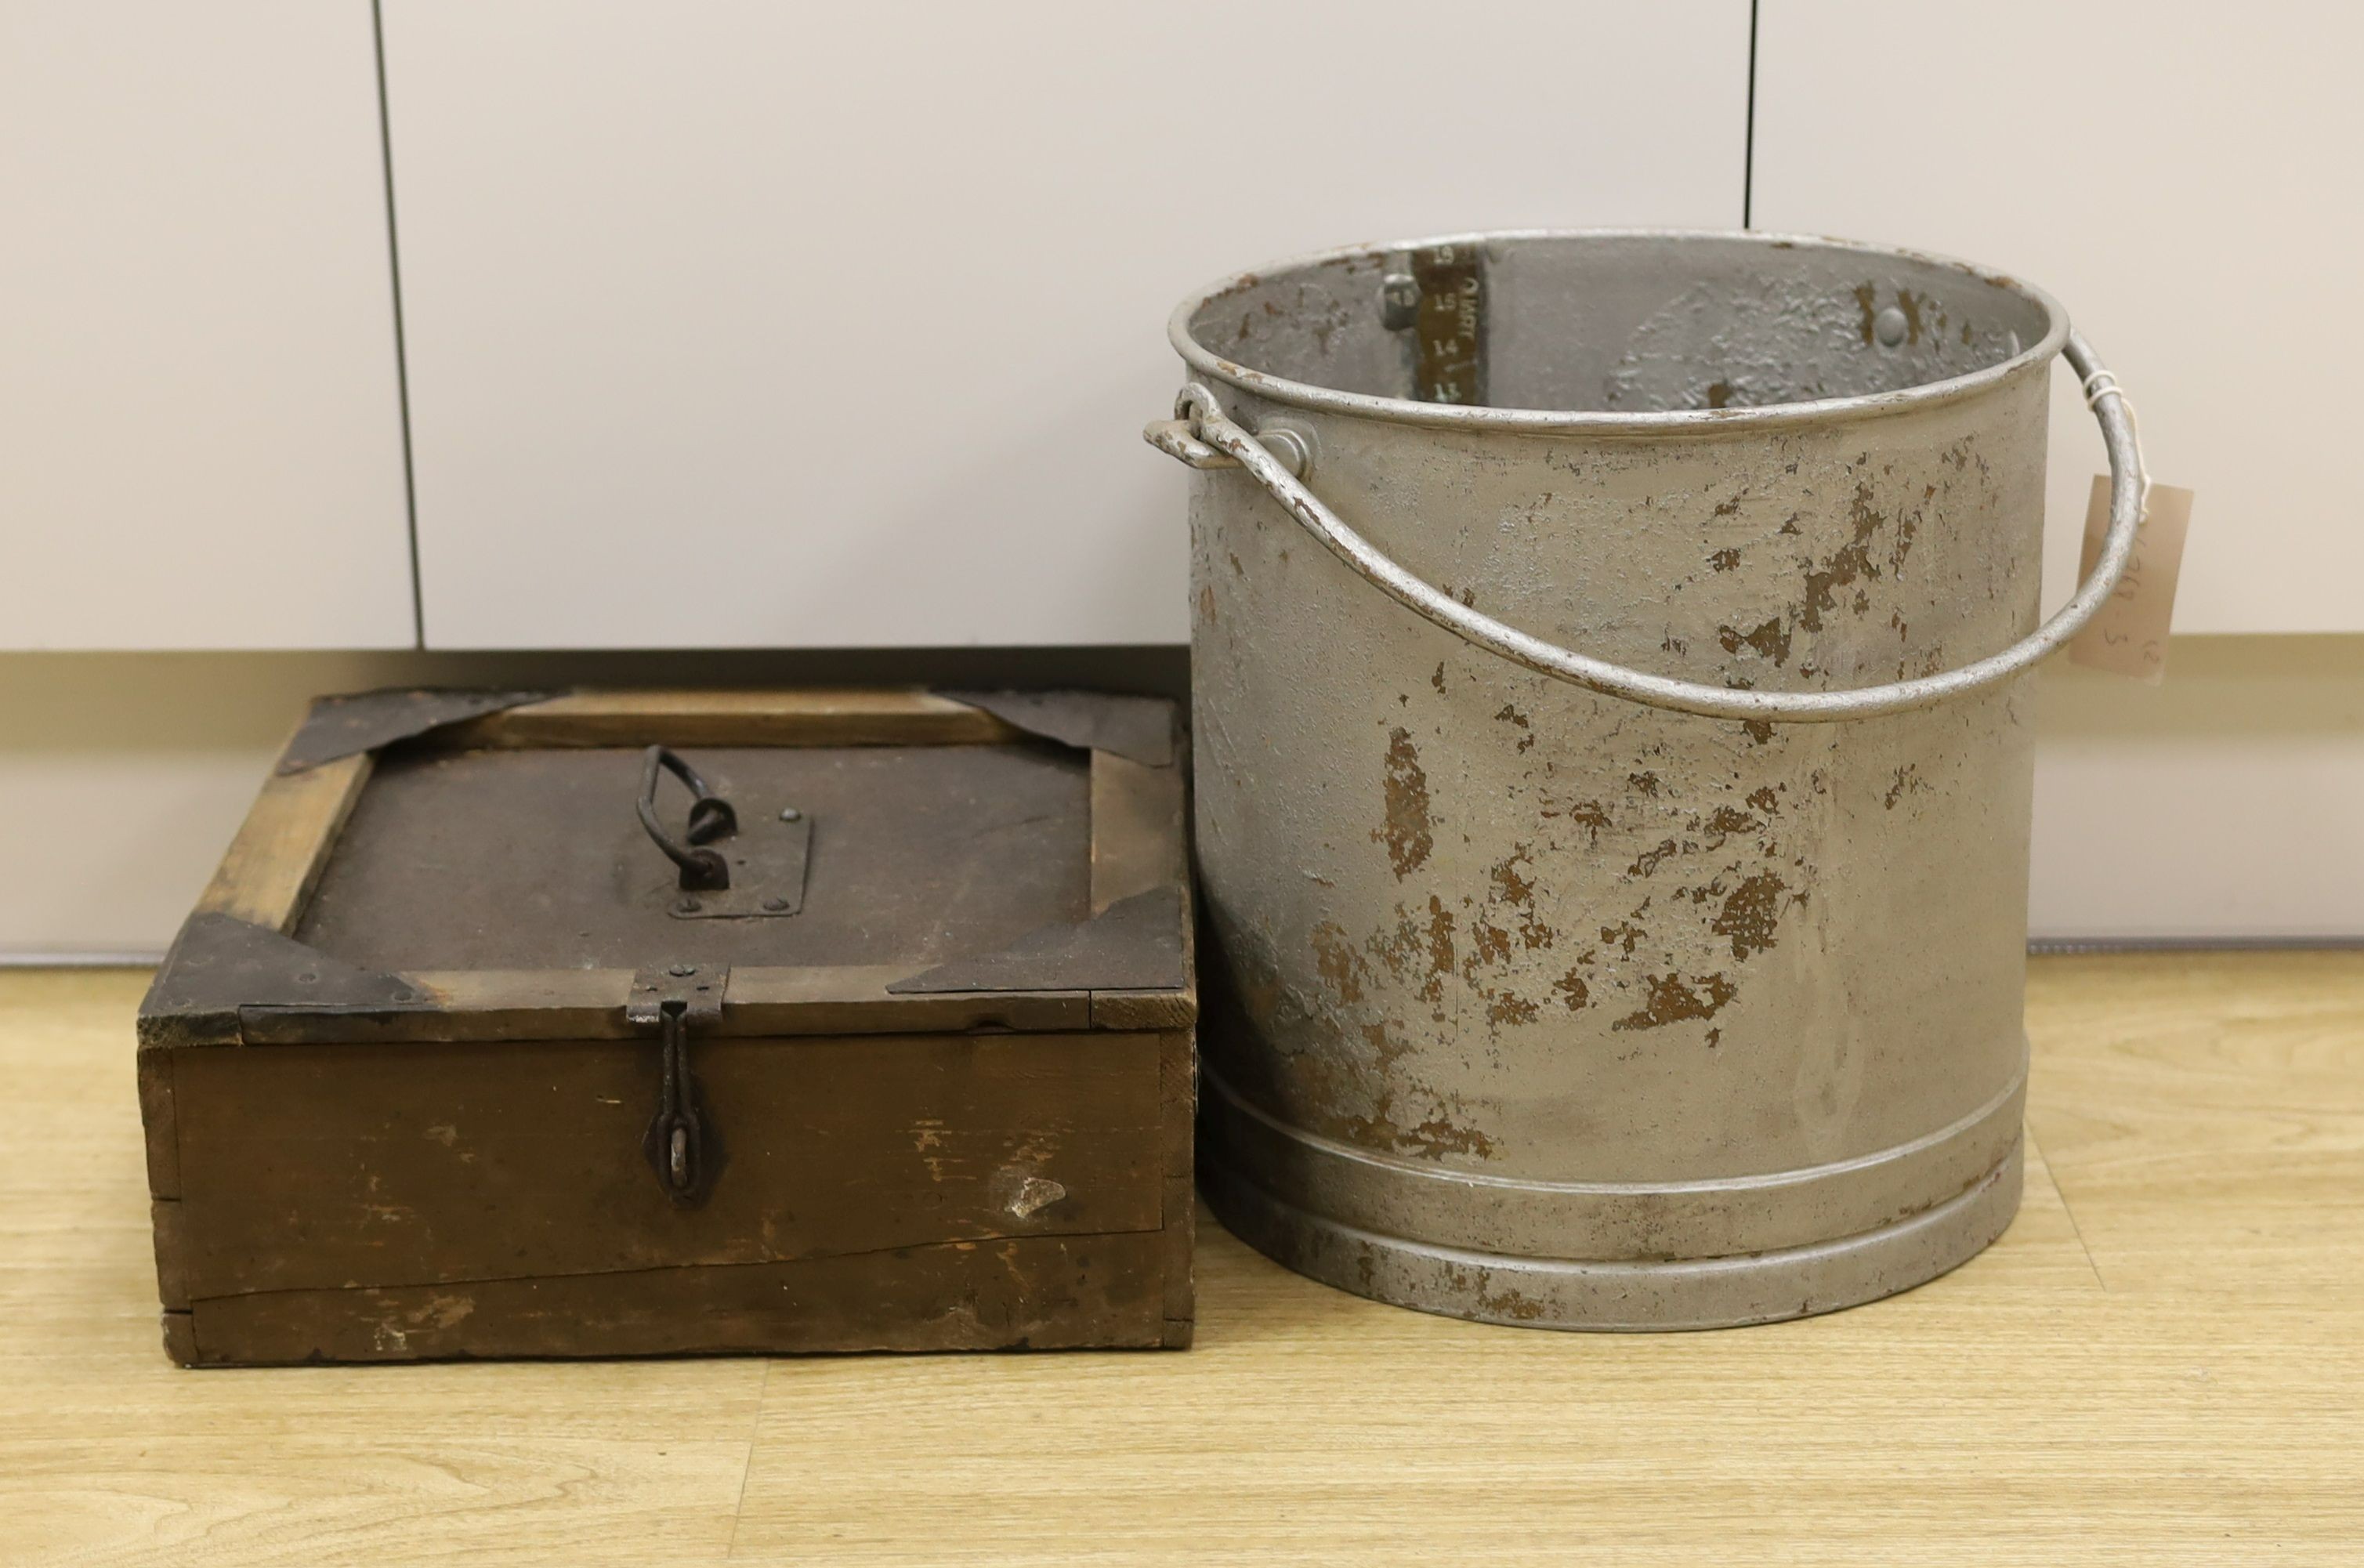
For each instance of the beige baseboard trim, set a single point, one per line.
(2049, 947)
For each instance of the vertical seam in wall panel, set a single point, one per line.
(401, 349)
(1748, 136)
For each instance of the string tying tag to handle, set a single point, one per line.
(2103, 384)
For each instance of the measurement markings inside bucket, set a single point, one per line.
(1612, 778)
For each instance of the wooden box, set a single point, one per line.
(450, 1062)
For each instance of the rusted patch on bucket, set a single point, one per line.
(1850, 561)
(1510, 1302)
(1322, 1083)
(1770, 640)
(1587, 815)
(1337, 963)
(1489, 944)
(1625, 935)
(1674, 1000)
(1407, 834)
(1425, 948)
(1515, 888)
(1750, 913)
(1510, 715)
(1505, 1007)
(1725, 822)
(1648, 860)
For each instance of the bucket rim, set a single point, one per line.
(1607, 422)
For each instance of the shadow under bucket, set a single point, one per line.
(1612, 768)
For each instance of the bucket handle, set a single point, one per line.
(1204, 437)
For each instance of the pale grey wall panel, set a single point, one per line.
(200, 428)
(748, 324)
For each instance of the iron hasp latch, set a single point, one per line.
(681, 1144)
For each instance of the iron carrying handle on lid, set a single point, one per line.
(710, 817)
(1204, 430)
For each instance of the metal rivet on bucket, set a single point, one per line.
(1614, 835)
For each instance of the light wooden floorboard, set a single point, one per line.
(2161, 1362)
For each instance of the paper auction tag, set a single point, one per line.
(2128, 635)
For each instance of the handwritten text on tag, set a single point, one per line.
(2128, 637)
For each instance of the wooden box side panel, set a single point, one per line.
(1178, 1097)
(432, 1164)
(395, 1184)
(1024, 1293)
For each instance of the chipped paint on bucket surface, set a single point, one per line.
(1539, 1007)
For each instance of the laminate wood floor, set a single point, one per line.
(2161, 1362)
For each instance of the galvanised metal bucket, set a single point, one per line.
(1613, 770)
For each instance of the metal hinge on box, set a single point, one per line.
(681, 1144)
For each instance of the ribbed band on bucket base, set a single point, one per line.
(1485, 1212)
(1630, 1296)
